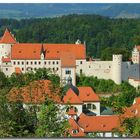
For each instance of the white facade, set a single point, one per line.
(116, 70)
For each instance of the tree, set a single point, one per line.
(49, 125)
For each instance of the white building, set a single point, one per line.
(65, 60)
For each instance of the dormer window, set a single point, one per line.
(75, 131)
(19, 51)
(34, 51)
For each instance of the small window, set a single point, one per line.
(35, 62)
(31, 62)
(19, 51)
(49, 62)
(74, 131)
(53, 69)
(88, 106)
(84, 106)
(57, 51)
(45, 63)
(27, 62)
(53, 62)
(57, 62)
(34, 51)
(39, 62)
(81, 62)
(31, 68)
(89, 67)
(22, 63)
(68, 72)
(14, 63)
(22, 69)
(81, 71)
(6, 69)
(93, 106)
(18, 63)
(6, 63)
(109, 66)
(57, 69)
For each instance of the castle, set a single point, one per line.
(65, 60)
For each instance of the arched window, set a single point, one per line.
(88, 106)
(93, 106)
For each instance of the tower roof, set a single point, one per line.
(7, 38)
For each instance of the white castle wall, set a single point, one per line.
(5, 50)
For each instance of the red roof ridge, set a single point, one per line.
(7, 38)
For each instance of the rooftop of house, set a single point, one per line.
(86, 94)
(7, 38)
(36, 92)
(98, 123)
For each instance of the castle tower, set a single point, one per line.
(136, 55)
(6, 42)
(68, 68)
(117, 69)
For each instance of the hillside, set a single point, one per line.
(103, 36)
(20, 11)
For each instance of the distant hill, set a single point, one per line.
(53, 10)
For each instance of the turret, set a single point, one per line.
(6, 42)
(136, 55)
(117, 69)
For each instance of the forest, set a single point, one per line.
(100, 33)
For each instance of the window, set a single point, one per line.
(68, 71)
(53, 69)
(14, 63)
(27, 62)
(84, 107)
(80, 71)
(53, 62)
(88, 106)
(35, 63)
(22, 69)
(22, 63)
(18, 63)
(39, 62)
(6, 69)
(93, 106)
(81, 62)
(31, 62)
(75, 131)
(45, 63)
(57, 62)
(57, 69)
(49, 62)
(6, 63)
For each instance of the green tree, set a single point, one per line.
(49, 125)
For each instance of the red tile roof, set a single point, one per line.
(71, 98)
(7, 38)
(68, 60)
(98, 123)
(35, 92)
(72, 112)
(138, 47)
(75, 126)
(86, 94)
(52, 51)
(137, 100)
(18, 70)
(6, 59)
